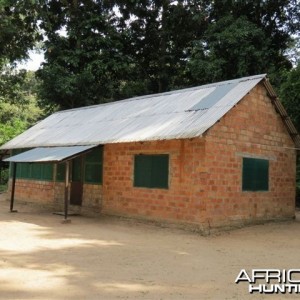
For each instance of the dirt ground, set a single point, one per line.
(109, 258)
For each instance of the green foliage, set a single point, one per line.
(160, 35)
(298, 179)
(18, 104)
(87, 65)
(245, 38)
(108, 54)
(18, 29)
(99, 51)
(278, 19)
(11, 129)
(289, 93)
(231, 48)
(111, 50)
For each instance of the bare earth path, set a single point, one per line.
(107, 258)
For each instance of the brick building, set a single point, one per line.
(221, 154)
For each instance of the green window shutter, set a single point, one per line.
(36, 170)
(76, 169)
(142, 170)
(151, 171)
(255, 174)
(94, 156)
(93, 166)
(23, 170)
(93, 173)
(19, 170)
(248, 170)
(262, 183)
(46, 172)
(60, 172)
(39, 171)
(160, 171)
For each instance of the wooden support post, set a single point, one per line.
(67, 184)
(12, 198)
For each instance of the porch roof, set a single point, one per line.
(49, 154)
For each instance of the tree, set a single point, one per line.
(18, 34)
(278, 19)
(289, 94)
(230, 48)
(18, 103)
(99, 51)
(245, 38)
(86, 65)
(161, 33)
(18, 29)
(115, 50)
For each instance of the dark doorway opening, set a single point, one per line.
(77, 181)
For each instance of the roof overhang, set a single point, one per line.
(49, 154)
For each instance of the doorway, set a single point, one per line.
(77, 181)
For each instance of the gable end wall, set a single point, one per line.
(251, 129)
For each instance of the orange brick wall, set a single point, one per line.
(53, 193)
(251, 129)
(175, 203)
(35, 191)
(205, 181)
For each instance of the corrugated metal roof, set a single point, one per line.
(172, 115)
(52, 154)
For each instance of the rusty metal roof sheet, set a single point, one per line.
(178, 114)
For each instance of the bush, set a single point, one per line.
(4, 176)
